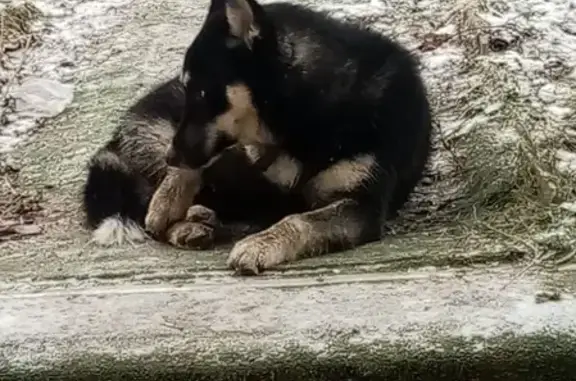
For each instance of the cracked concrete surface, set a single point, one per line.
(413, 326)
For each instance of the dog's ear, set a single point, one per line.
(241, 20)
(216, 5)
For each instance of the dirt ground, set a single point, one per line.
(18, 208)
(501, 76)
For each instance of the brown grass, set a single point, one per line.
(18, 209)
(16, 27)
(499, 178)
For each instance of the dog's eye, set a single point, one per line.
(198, 95)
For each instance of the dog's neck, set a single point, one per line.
(262, 156)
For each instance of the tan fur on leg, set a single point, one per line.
(340, 224)
(343, 176)
(299, 235)
(172, 199)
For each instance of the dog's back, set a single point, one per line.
(357, 92)
(123, 174)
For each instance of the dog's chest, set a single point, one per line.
(278, 167)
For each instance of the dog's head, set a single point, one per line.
(220, 110)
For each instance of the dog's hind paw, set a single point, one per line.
(201, 214)
(191, 235)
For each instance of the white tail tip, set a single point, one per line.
(114, 231)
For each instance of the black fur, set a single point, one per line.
(116, 184)
(123, 175)
(351, 91)
(114, 191)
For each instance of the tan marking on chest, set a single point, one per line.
(241, 120)
(284, 171)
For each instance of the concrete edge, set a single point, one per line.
(448, 326)
(546, 356)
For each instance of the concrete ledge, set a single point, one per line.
(422, 325)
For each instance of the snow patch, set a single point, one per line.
(43, 77)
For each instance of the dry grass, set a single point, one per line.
(499, 177)
(18, 209)
(16, 26)
(16, 34)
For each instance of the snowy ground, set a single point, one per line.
(489, 65)
(541, 34)
(66, 31)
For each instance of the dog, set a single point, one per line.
(129, 183)
(310, 130)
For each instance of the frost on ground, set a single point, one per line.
(502, 81)
(40, 46)
(18, 36)
(503, 84)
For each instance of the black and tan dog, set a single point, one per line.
(308, 130)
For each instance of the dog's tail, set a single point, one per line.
(115, 200)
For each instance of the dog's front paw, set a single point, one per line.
(157, 220)
(256, 253)
(191, 235)
(171, 200)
